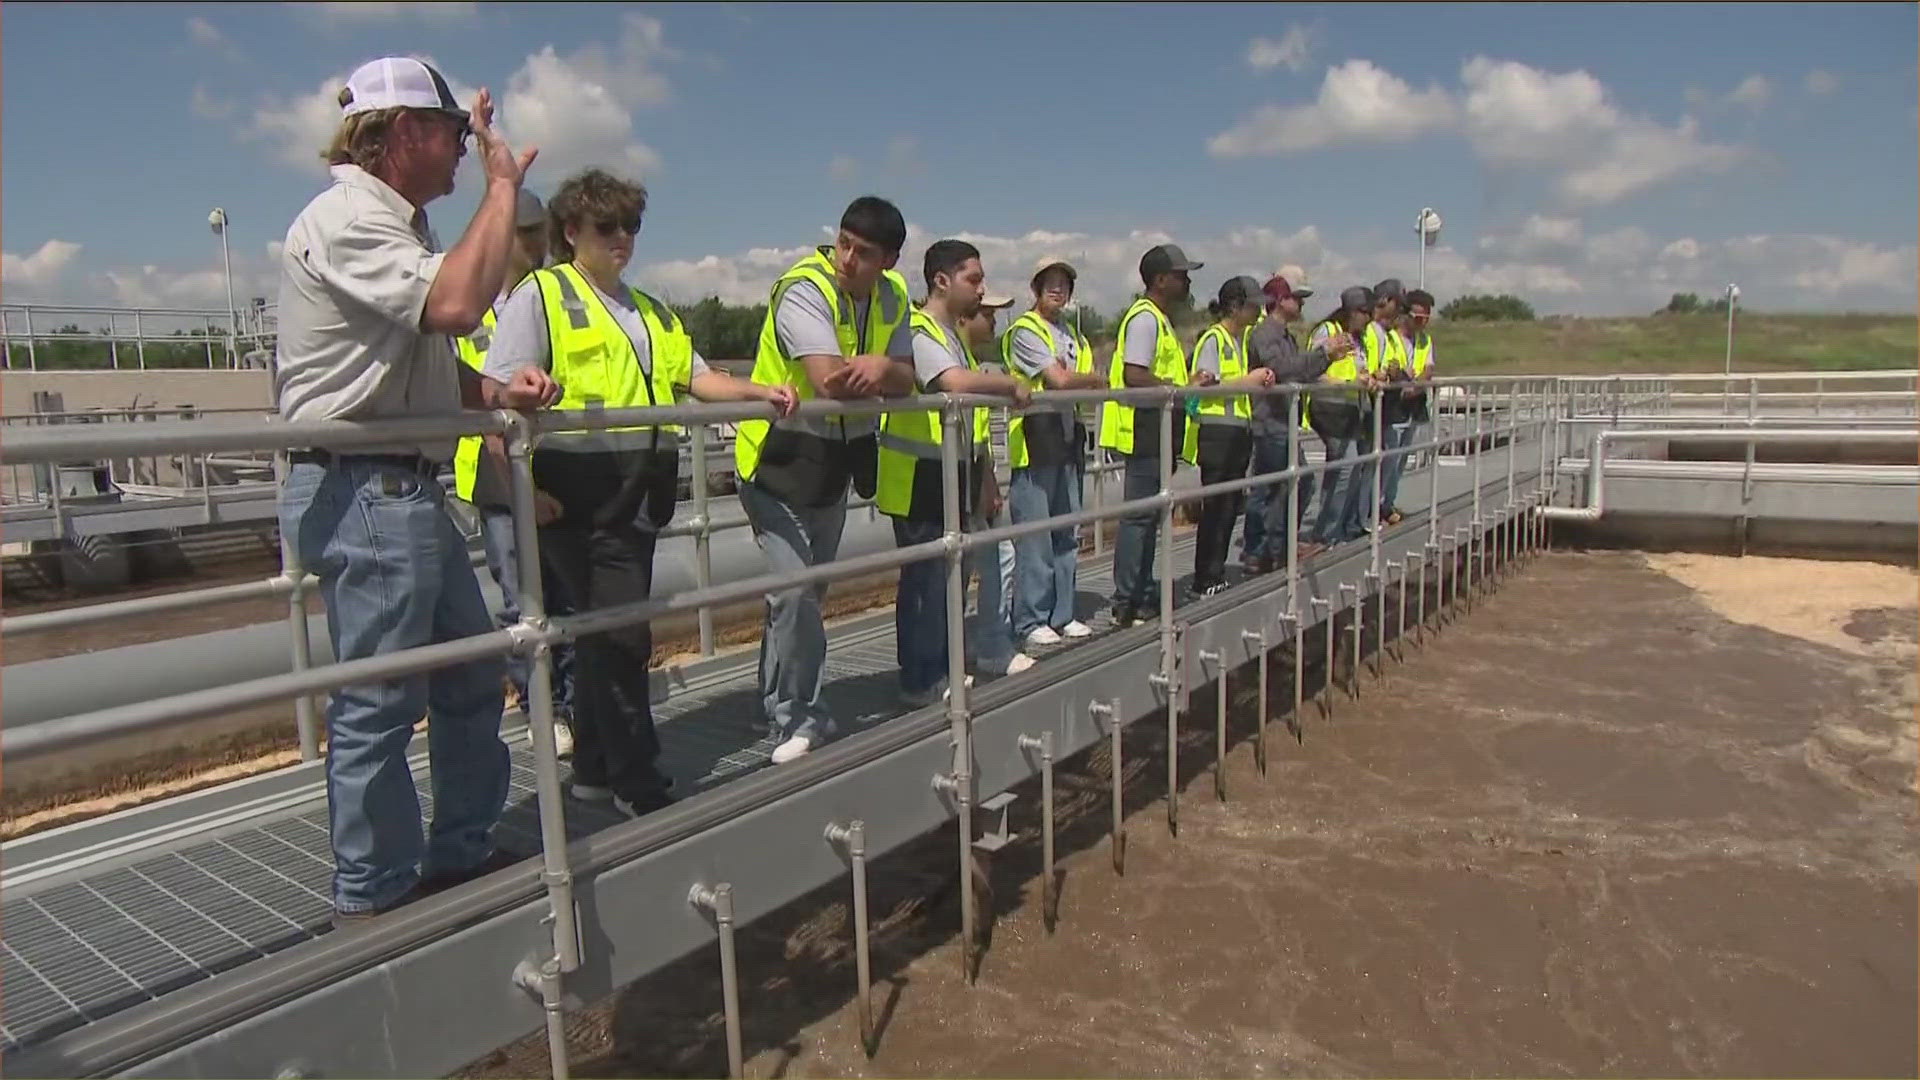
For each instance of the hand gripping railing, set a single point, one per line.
(536, 633)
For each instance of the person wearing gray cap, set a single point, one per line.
(480, 478)
(1339, 416)
(1271, 345)
(1146, 354)
(367, 306)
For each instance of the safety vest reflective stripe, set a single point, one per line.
(466, 456)
(596, 363)
(1169, 364)
(1422, 356)
(908, 438)
(888, 308)
(1018, 455)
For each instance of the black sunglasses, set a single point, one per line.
(607, 228)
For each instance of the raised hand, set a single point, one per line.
(496, 157)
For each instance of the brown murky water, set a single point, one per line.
(1607, 823)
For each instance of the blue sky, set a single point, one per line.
(1593, 159)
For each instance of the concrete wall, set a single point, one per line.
(84, 390)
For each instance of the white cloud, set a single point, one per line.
(1520, 117)
(1539, 235)
(1292, 51)
(1753, 93)
(297, 128)
(1821, 83)
(209, 107)
(901, 160)
(32, 274)
(204, 34)
(576, 120)
(1358, 102)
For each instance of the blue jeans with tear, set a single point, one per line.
(394, 573)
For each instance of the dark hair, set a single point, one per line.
(946, 256)
(593, 195)
(1214, 310)
(877, 221)
(1040, 280)
(1420, 298)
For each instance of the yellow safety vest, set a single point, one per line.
(799, 442)
(1236, 411)
(1169, 363)
(466, 457)
(594, 361)
(910, 445)
(1048, 424)
(1384, 349)
(1422, 357)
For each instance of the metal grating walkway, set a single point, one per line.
(80, 950)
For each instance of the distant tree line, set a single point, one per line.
(1691, 304)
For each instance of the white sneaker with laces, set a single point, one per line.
(589, 793)
(1076, 629)
(793, 748)
(1043, 635)
(562, 739)
(1019, 663)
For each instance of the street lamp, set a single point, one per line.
(1428, 226)
(217, 220)
(1733, 294)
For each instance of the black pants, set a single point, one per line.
(1225, 453)
(601, 550)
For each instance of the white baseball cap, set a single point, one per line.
(397, 82)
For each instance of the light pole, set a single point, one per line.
(1733, 294)
(218, 221)
(1428, 226)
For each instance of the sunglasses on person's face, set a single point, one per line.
(607, 228)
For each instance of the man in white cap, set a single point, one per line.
(480, 477)
(991, 646)
(368, 305)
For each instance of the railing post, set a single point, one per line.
(718, 899)
(1096, 472)
(531, 631)
(33, 359)
(1218, 658)
(959, 723)
(139, 339)
(1104, 710)
(1169, 666)
(1296, 458)
(703, 538)
(1512, 424)
(853, 838)
(1258, 640)
(1042, 744)
(304, 720)
(1474, 541)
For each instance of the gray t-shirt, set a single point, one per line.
(803, 325)
(931, 359)
(1206, 357)
(521, 338)
(1143, 335)
(1032, 356)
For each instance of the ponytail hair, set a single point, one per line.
(1213, 310)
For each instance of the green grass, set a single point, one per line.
(1678, 343)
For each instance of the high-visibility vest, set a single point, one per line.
(1344, 370)
(1117, 421)
(1047, 424)
(1422, 356)
(1236, 411)
(910, 444)
(594, 361)
(466, 457)
(888, 308)
(1385, 348)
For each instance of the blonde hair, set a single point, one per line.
(362, 138)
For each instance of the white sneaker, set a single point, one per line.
(589, 793)
(795, 747)
(1076, 629)
(1043, 635)
(562, 739)
(1019, 663)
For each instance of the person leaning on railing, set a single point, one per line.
(911, 481)
(1220, 441)
(609, 346)
(1407, 406)
(1276, 447)
(1339, 416)
(836, 327)
(1146, 354)
(480, 478)
(1047, 448)
(1387, 355)
(367, 304)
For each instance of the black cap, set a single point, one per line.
(1356, 298)
(1239, 290)
(1165, 259)
(1390, 289)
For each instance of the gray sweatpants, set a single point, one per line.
(793, 646)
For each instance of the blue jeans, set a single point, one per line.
(990, 641)
(1344, 494)
(1135, 587)
(793, 647)
(1047, 562)
(920, 610)
(1396, 437)
(394, 573)
(1267, 529)
(497, 542)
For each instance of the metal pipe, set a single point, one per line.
(1258, 639)
(305, 724)
(542, 980)
(959, 723)
(1043, 745)
(1169, 665)
(1326, 676)
(1213, 656)
(1104, 711)
(1474, 541)
(718, 899)
(40, 622)
(1377, 595)
(1400, 625)
(853, 837)
(703, 537)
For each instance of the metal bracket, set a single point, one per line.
(995, 832)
